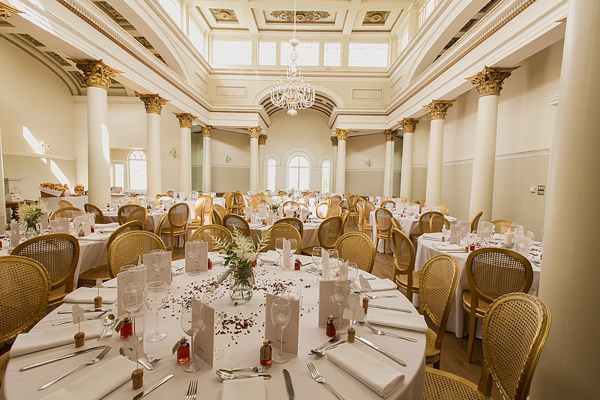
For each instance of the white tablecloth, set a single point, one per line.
(310, 236)
(427, 250)
(153, 218)
(241, 350)
(52, 202)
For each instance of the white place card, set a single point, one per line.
(325, 267)
(327, 304)
(44, 220)
(15, 235)
(365, 286)
(154, 275)
(290, 333)
(200, 262)
(287, 254)
(205, 338)
(77, 314)
(59, 226)
(455, 235)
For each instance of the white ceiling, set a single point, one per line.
(332, 16)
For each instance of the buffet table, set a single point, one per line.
(241, 347)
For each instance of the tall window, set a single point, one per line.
(137, 170)
(326, 176)
(271, 174)
(298, 173)
(173, 9)
(118, 175)
(308, 53)
(267, 53)
(232, 52)
(332, 56)
(404, 40)
(196, 37)
(368, 55)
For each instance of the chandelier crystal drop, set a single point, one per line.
(293, 93)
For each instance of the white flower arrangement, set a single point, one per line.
(240, 251)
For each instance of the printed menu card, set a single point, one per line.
(291, 331)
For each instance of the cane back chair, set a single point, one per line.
(365, 218)
(92, 208)
(234, 221)
(64, 204)
(475, 221)
(383, 223)
(437, 223)
(404, 261)
(424, 226)
(67, 212)
(500, 225)
(208, 233)
(285, 231)
(218, 213)
(444, 209)
(329, 232)
(295, 222)
(178, 217)
(128, 247)
(357, 248)
(124, 211)
(139, 214)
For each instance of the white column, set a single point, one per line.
(408, 125)
(262, 141)
(98, 76)
(438, 110)
(488, 84)
(340, 184)
(185, 161)
(334, 146)
(2, 192)
(569, 366)
(389, 154)
(254, 168)
(206, 159)
(153, 103)
(392, 149)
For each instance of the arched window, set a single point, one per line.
(137, 170)
(326, 176)
(299, 173)
(271, 173)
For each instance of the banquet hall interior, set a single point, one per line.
(434, 148)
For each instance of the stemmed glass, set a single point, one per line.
(132, 299)
(281, 314)
(340, 295)
(294, 293)
(218, 306)
(156, 298)
(317, 253)
(352, 272)
(193, 250)
(334, 256)
(192, 326)
(279, 248)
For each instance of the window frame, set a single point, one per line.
(214, 52)
(352, 49)
(308, 169)
(284, 55)
(267, 175)
(329, 175)
(129, 170)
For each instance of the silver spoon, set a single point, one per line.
(253, 369)
(227, 375)
(87, 319)
(109, 321)
(381, 296)
(321, 351)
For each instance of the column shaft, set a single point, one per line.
(206, 164)
(569, 364)
(154, 170)
(98, 146)
(407, 166)
(334, 146)
(392, 145)
(261, 167)
(185, 161)
(387, 171)
(340, 175)
(433, 192)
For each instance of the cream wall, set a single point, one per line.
(34, 101)
(233, 175)
(360, 178)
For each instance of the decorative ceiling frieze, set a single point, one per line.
(224, 15)
(301, 16)
(375, 17)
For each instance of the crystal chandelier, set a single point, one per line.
(293, 94)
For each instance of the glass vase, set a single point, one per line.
(241, 284)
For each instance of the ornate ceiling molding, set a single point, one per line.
(439, 108)
(152, 102)
(96, 72)
(301, 16)
(489, 81)
(185, 119)
(224, 15)
(6, 10)
(375, 17)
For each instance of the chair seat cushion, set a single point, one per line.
(482, 306)
(402, 280)
(441, 385)
(432, 354)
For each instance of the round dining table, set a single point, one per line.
(241, 337)
(310, 236)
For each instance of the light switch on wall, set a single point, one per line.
(532, 189)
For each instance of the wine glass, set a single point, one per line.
(193, 250)
(192, 323)
(281, 314)
(334, 256)
(156, 298)
(317, 254)
(293, 292)
(279, 248)
(157, 260)
(352, 272)
(218, 307)
(132, 299)
(340, 295)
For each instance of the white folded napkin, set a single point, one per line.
(109, 225)
(270, 256)
(377, 285)
(433, 236)
(110, 284)
(367, 276)
(377, 376)
(247, 389)
(86, 295)
(216, 257)
(449, 247)
(98, 382)
(395, 319)
(31, 342)
(95, 237)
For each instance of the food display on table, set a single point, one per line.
(49, 189)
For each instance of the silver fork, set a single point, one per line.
(192, 390)
(319, 378)
(381, 296)
(334, 339)
(378, 332)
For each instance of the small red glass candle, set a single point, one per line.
(330, 330)
(127, 328)
(183, 352)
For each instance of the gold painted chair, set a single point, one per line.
(358, 248)
(365, 219)
(178, 217)
(198, 219)
(475, 221)
(383, 223)
(492, 272)
(91, 208)
(208, 203)
(501, 225)
(236, 203)
(88, 278)
(64, 204)
(67, 212)
(132, 200)
(333, 211)
(444, 209)
(221, 211)
(403, 199)
(404, 261)
(295, 222)
(514, 334)
(438, 281)
(171, 193)
(233, 222)
(335, 200)
(321, 209)
(158, 198)
(437, 223)
(396, 225)
(424, 226)
(128, 247)
(124, 211)
(329, 232)
(139, 214)
(207, 233)
(392, 202)
(285, 231)
(59, 254)
(24, 297)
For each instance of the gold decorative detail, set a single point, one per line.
(97, 74)
(342, 134)
(224, 15)
(152, 102)
(561, 20)
(489, 81)
(389, 135)
(438, 108)
(254, 131)
(6, 10)
(375, 17)
(301, 16)
(185, 119)
(207, 131)
(409, 124)
(262, 140)
(334, 140)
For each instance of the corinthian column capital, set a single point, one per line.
(96, 73)
(334, 140)
(489, 81)
(342, 134)
(389, 135)
(254, 131)
(207, 131)
(409, 124)
(438, 108)
(262, 139)
(152, 102)
(7, 10)
(185, 119)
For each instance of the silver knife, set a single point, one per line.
(86, 310)
(288, 384)
(85, 364)
(151, 388)
(390, 308)
(39, 364)
(385, 353)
